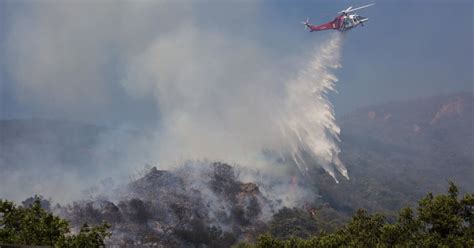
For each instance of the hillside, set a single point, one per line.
(397, 151)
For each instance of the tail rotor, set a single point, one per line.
(306, 23)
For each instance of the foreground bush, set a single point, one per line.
(440, 221)
(33, 225)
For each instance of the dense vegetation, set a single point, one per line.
(444, 220)
(440, 221)
(33, 225)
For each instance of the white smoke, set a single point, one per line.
(216, 105)
(220, 95)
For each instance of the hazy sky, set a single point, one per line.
(69, 60)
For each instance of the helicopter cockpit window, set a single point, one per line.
(346, 21)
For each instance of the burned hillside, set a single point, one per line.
(175, 209)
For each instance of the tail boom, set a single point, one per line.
(325, 26)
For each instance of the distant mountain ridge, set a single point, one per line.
(393, 121)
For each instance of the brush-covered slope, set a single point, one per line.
(396, 152)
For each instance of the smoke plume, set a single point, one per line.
(213, 93)
(214, 104)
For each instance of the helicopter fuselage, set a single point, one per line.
(343, 22)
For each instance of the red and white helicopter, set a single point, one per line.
(342, 22)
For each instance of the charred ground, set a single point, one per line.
(167, 208)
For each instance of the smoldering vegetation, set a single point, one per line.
(194, 205)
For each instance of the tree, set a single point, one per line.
(364, 230)
(404, 233)
(87, 237)
(33, 225)
(292, 222)
(440, 221)
(445, 220)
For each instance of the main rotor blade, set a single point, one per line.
(346, 10)
(365, 6)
